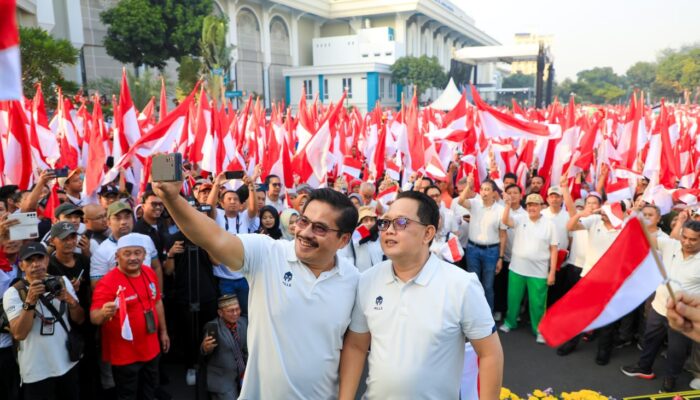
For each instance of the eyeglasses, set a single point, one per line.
(399, 223)
(317, 228)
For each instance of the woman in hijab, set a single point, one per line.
(288, 220)
(270, 222)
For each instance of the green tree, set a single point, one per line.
(149, 32)
(519, 80)
(43, 57)
(600, 85)
(188, 73)
(678, 71)
(641, 75)
(424, 72)
(215, 54)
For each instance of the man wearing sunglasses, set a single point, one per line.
(274, 190)
(301, 294)
(417, 311)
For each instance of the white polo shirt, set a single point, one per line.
(560, 219)
(531, 253)
(418, 328)
(241, 223)
(485, 222)
(279, 205)
(599, 240)
(510, 233)
(105, 258)
(297, 322)
(684, 274)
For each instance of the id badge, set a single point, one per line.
(47, 326)
(150, 321)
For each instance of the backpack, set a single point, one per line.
(21, 286)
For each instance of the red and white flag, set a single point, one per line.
(360, 233)
(614, 213)
(388, 195)
(452, 251)
(11, 76)
(352, 167)
(618, 191)
(620, 281)
(124, 323)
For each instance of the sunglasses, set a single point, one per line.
(317, 228)
(399, 223)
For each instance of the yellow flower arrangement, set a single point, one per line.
(548, 394)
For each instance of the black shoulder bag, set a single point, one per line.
(75, 344)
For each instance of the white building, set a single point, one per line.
(282, 45)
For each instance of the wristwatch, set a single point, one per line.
(28, 307)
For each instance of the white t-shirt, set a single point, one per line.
(295, 339)
(41, 356)
(560, 219)
(239, 224)
(531, 243)
(485, 222)
(684, 274)
(279, 205)
(366, 255)
(599, 240)
(418, 328)
(510, 233)
(463, 230)
(579, 244)
(105, 258)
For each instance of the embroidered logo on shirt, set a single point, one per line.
(287, 279)
(378, 301)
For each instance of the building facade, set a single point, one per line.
(530, 67)
(282, 46)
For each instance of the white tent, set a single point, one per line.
(448, 99)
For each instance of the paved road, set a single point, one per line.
(530, 366)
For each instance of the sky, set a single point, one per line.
(592, 33)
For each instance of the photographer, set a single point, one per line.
(33, 306)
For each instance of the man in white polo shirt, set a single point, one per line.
(533, 263)
(559, 217)
(417, 311)
(301, 294)
(484, 236)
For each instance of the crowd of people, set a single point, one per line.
(266, 292)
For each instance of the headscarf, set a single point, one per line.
(275, 231)
(285, 217)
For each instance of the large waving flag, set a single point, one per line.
(620, 281)
(497, 124)
(11, 76)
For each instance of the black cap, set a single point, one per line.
(108, 190)
(62, 230)
(31, 249)
(67, 208)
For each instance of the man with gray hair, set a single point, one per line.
(132, 339)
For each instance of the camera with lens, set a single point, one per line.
(205, 208)
(53, 285)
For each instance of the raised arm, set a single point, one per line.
(505, 218)
(574, 224)
(200, 229)
(568, 200)
(250, 182)
(30, 202)
(467, 193)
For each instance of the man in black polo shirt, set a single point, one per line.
(152, 225)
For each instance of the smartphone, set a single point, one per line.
(60, 172)
(28, 227)
(166, 168)
(211, 328)
(234, 174)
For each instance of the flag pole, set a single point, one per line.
(659, 264)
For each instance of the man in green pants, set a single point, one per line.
(533, 262)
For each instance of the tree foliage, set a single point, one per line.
(641, 75)
(43, 57)
(519, 80)
(424, 72)
(600, 85)
(188, 73)
(149, 32)
(216, 56)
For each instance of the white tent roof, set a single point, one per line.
(448, 99)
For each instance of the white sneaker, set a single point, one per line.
(540, 339)
(695, 383)
(504, 328)
(191, 377)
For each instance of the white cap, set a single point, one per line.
(133, 239)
